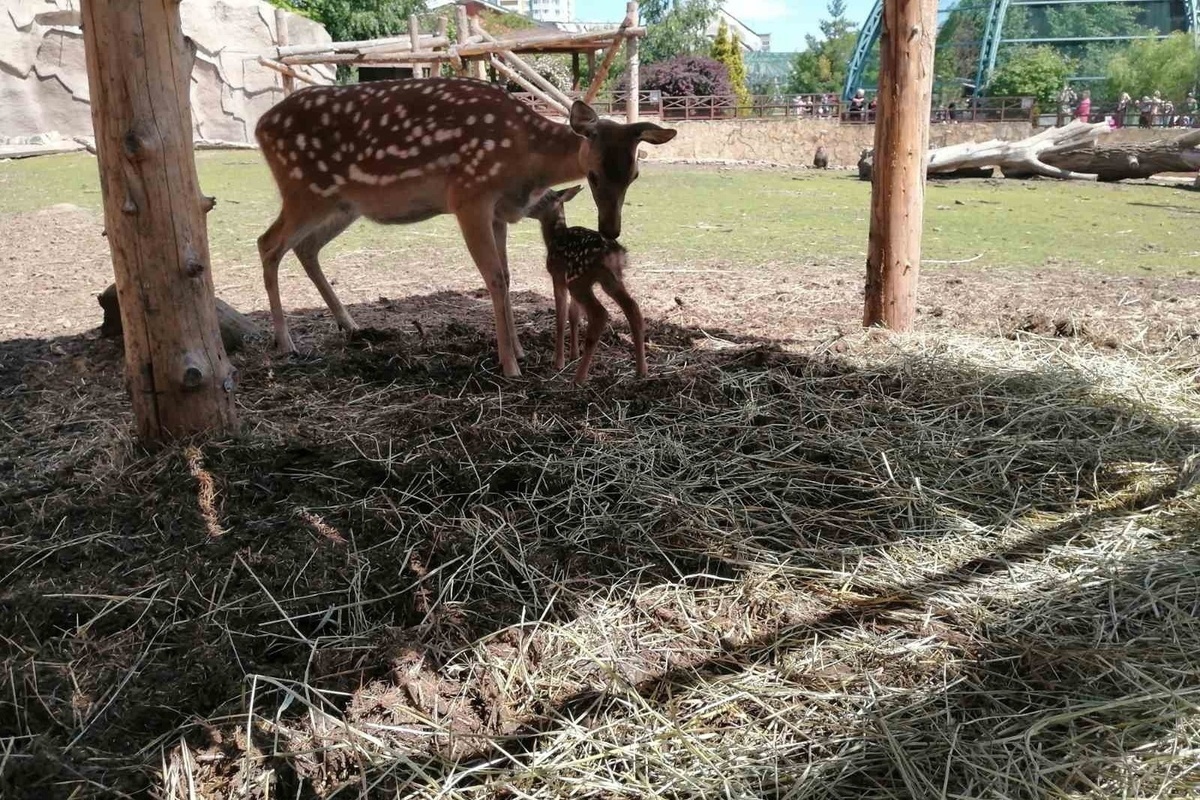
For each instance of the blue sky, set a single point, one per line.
(786, 20)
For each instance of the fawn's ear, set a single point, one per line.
(584, 119)
(650, 133)
(566, 195)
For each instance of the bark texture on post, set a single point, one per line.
(283, 40)
(633, 101)
(901, 140)
(139, 68)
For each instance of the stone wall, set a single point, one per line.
(43, 77)
(793, 141)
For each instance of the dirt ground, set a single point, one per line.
(335, 569)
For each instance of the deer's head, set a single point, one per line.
(610, 158)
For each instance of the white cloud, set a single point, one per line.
(758, 9)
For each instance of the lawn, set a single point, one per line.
(798, 560)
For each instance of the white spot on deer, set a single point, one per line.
(379, 154)
(471, 120)
(280, 144)
(370, 151)
(337, 108)
(337, 156)
(326, 192)
(469, 169)
(287, 122)
(474, 143)
(359, 176)
(293, 155)
(325, 118)
(307, 104)
(366, 123)
(410, 173)
(427, 140)
(413, 152)
(320, 100)
(383, 121)
(417, 131)
(296, 173)
(427, 90)
(338, 180)
(401, 112)
(316, 143)
(489, 118)
(321, 165)
(495, 170)
(506, 143)
(349, 106)
(453, 158)
(395, 151)
(275, 118)
(488, 144)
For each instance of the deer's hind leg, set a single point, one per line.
(307, 251)
(561, 300)
(615, 288)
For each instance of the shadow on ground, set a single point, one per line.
(396, 514)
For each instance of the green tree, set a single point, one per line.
(1037, 71)
(676, 27)
(822, 65)
(350, 20)
(1146, 66)
(729, 52)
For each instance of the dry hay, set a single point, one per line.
(960, 567)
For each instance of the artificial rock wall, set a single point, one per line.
(43, 76)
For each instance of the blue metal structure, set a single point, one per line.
(1154, 18)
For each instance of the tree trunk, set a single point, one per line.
(235, 326)
(139, 74)
(1116, 162)
(898, 184)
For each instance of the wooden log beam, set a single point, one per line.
(290, 76)
(366, 55)
(1128, 160)
(281, 37)
(901, 141)
(611, 53)
(179, 377)
(401, 42)
(518, 64)
(236, 327)
(520, 80)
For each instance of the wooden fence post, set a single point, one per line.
(282, 39)
(901, 141)
(139, 68)
(633, 99)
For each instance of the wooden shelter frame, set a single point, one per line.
(473, 50)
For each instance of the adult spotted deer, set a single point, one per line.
(408, 150)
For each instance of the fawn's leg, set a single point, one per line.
(476, 224)
(574, 316)
(307, 250)
(597, 320)
(615, 288)
(561, 300)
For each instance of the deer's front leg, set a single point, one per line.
(500, 234)
(561, 299)
(574, 315)
(476, 224)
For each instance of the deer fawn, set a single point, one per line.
(577, 259)
(404, 151)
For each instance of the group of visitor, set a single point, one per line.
(1152, 111)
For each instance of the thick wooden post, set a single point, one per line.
(633, 102)
(901, 141)
(139, 69)
(414, 33)
(282, 39)
(462, 31)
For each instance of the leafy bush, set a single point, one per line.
(686, 76)
(1170, 66)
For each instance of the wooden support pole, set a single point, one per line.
(575, 66)
(281, 36)
(462, 25)
(591, 64)
(611, 54)
(179, 378)
(414, 33)
(901, 141)
(633, 99)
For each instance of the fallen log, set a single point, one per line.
(1129, 160)
(235, 326)
(1069, 152)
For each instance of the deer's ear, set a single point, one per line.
(584, 118)
(567, 195)
(650, 133)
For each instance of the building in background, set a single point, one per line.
(752, 41)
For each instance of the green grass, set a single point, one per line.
(735, 218)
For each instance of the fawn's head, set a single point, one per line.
(549, 207)
(610, 158)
